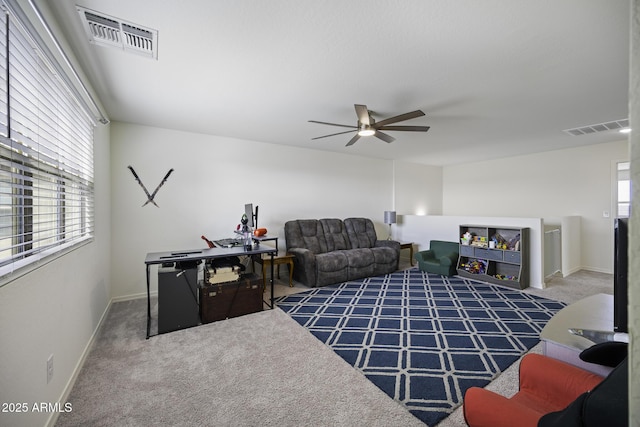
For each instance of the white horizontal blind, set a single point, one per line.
(4, 117)
(623, 190)
(46, 156)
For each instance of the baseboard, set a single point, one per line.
(597, 270)
(53, 418)
(570, 272)
(134, 296)
(554, 275)
(564, 274)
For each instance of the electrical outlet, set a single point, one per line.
(49, 368)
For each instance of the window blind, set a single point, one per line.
(46, 155)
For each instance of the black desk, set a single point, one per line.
(156, 258)
(259, 239)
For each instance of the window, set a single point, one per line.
(623, 178)
(46, 155)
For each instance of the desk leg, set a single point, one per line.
(148, 302)
(272, 256)
(264, 276)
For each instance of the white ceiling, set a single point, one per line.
(496, 78)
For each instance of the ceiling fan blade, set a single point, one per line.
(333, 134)
(400, 118)
(353, 140)
(384, 136)
(333, 124)
(363, 114)
(406, 128)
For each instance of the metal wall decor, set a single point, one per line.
(150, 197)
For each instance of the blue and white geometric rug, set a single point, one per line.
(423, 339)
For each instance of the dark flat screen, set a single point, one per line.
(620, 271)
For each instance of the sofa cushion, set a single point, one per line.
(305, 233)
(361, 263)
(385, 260)
(384, 255)
(362, 233)
(331, 267)
(359, 258)
(335, 234)
(442, 248)
(331, 261)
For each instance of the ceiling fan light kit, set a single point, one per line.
(366, 130)
(367, 126)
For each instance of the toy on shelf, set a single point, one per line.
(497, 241)
(466, 238)
(514, 244)
(506, 277)
(480, 241)
(502, 243)
(475, 266)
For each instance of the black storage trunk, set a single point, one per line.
(231, 299)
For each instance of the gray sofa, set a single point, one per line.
(331, 250)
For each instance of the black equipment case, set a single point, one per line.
(231, 299)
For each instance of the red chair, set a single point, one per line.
(546, 385)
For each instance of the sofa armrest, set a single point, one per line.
(425, 255)
(449, 259)
(304, 265)
(445, 260)
(484, 408)
(388, 244)
(553, 380)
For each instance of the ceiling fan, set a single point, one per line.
(367, 126)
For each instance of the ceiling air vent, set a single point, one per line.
(108, 31)
(600, 127)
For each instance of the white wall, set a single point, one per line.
(571, 244)
(55, 310)
(417, 189)
(569, 182)
(213, 179)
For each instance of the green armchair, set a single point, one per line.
(441, 258)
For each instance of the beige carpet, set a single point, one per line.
(262, 369)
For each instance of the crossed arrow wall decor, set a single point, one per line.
(150, 197)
